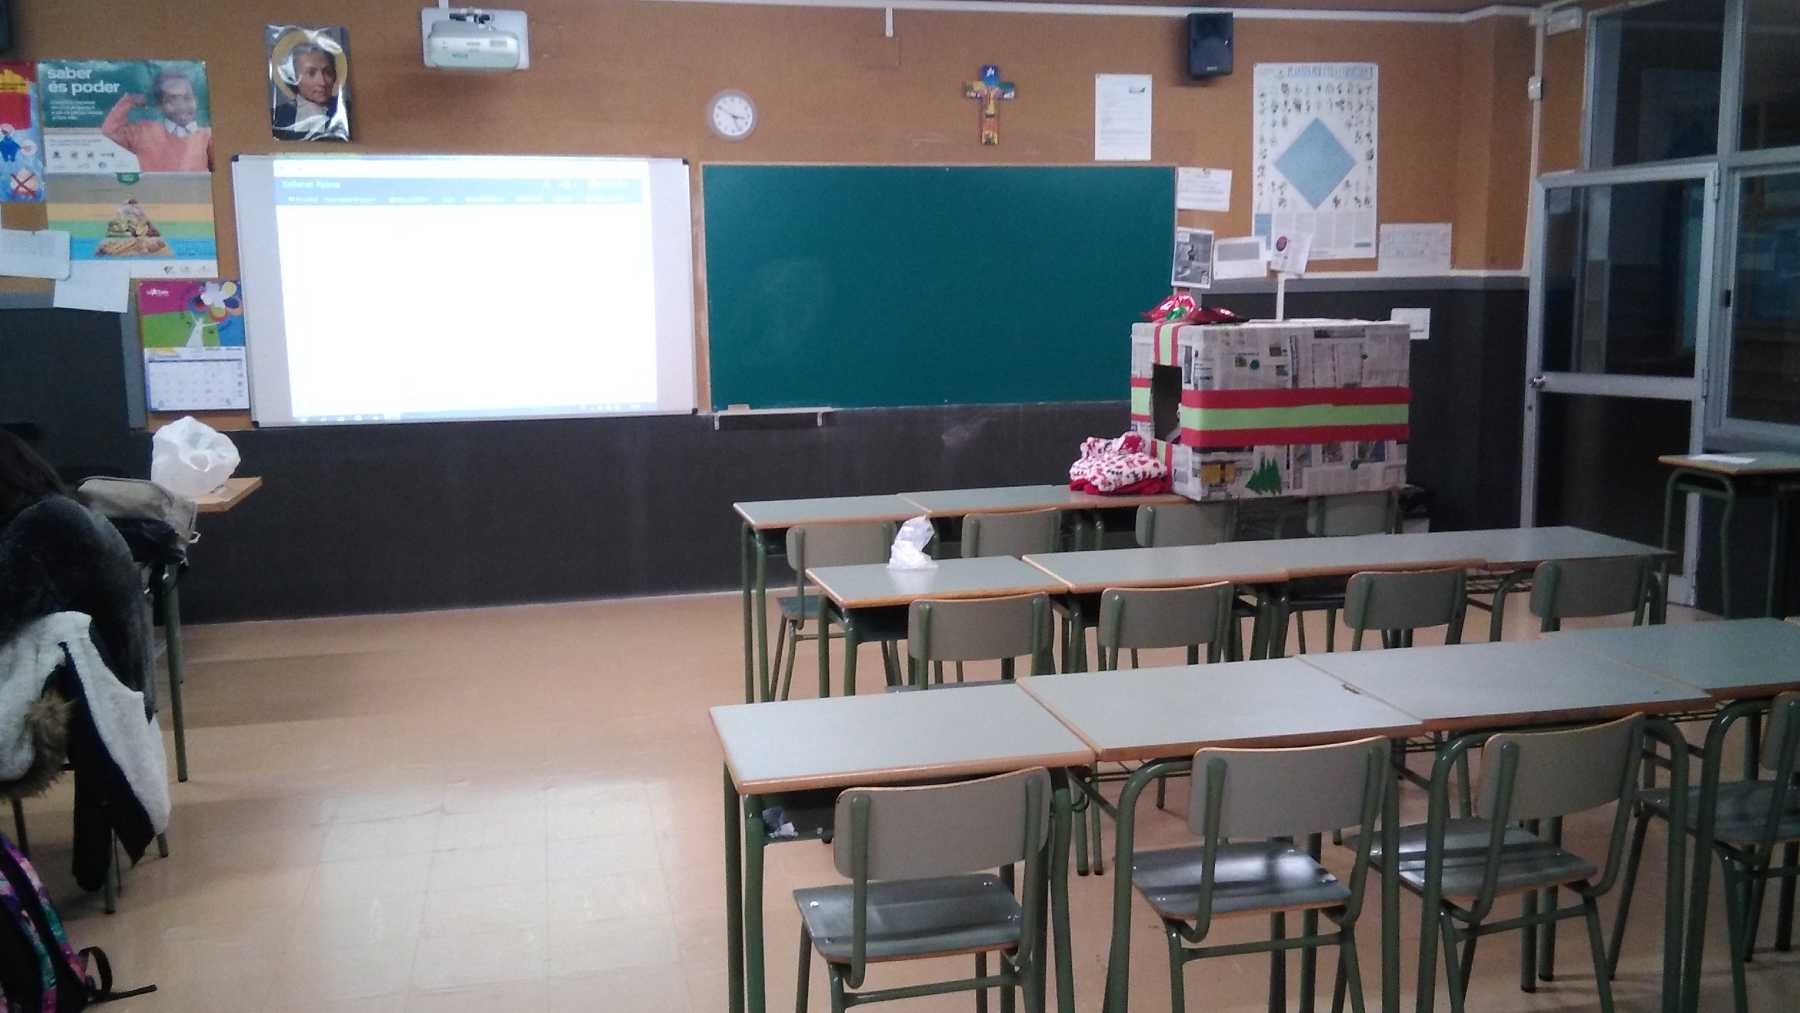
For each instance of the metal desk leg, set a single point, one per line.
(1061, 802)
(851, 643)
(761, 606)
(1497, 612)
(1390, 882)
(755, 838)
(1673, 921)
(1703, 846)
(1075, 659)
(168, 602)
(745, 534)
(734, 892)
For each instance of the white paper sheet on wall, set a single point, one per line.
(1122, 117)
(1316, 155)
(91, 285)
(1415, 248)
(42, 254)
(1202, 189)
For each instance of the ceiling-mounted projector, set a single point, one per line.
(472, 38)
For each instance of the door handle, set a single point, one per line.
(1537, 382)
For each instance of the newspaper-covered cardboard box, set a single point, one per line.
(1274, 408)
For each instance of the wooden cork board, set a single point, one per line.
(634, 79)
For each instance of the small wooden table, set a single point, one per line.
(762, 524)
(1161, 716)
(872, 595)
(228, 495)
(1740, 663)
(1723, 477)
(775, 750)
(1471, 687)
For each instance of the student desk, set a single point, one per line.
(763, 524)
(1739, 663)
(799, 754)
(1087, 508)
(1471, 687)
(873, 595)
(1161, 716)
(1723, 477)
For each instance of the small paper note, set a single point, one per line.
(1121, 117)
(1414, 249)
(43, 254)
(1291, 253)
(105, 287)
(1243, 257)
(1202, 189)
(1417, 321)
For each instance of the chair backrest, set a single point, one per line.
(838, 545)
(1185, 524)
(1558, 773)
(1784, 720)
(1354, 513)
(1287, 792)
(1011, 534)
(944, 829)
(1406, 600)
(978, 629)
(1164, 616)
(1584, 588)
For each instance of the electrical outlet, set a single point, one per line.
(1534, 88)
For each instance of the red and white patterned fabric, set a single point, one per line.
(1118, 467)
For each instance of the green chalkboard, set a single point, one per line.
(859, 286)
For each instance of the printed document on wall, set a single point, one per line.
(1315, 159)
(1122, 117)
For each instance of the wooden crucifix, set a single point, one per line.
(990, 91)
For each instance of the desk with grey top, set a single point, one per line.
(762, 524)
(775, 752)
(1725, 477)
(1489, 686)
(871, 596)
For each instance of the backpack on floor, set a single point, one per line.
(39, 971)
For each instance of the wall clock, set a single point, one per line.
(731, 114)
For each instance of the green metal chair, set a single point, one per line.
(1590, 588)
(824, 545)
(1271, 796)
(916, 890)
(1750, 818)
(1398, 603)
(1011, 534)
(1459, 867)
(1186, 524)
(957, 630)
(1357, 513)
(1193, 617)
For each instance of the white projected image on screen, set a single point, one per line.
(452, 288)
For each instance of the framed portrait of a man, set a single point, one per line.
(309, 83)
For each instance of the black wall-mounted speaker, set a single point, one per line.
(1209, 45)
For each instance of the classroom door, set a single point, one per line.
(1619, 320)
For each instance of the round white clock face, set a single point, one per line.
(732, 115)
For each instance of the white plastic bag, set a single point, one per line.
(190, 458)
(908, 552)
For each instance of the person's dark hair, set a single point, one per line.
(25, 477)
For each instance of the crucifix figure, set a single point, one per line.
(989, 91)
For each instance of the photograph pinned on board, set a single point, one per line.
(309, 81)
(126, 116)
(1193, 259)
(160, 224)
(21, 142)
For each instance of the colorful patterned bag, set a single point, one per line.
(39, 971)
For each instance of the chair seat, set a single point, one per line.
(1248, 878)
(800, 606)
(1742, 814)
(913, 918)
(1526, 862)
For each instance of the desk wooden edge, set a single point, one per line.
(874, 518)
(1186, 750)
(1238, 580)
(897, 601)
(236, 491)
(1397, 567)
(881, 776)
(1516, 565)
(1041, 568)
(1686, 462)
(1573, 715)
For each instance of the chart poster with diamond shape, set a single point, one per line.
(1316, 142)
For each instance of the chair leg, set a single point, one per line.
(1097, 856)
(1300, 630)
(787, 675)
(981, 998)
(781, 636)
(1341, 979)
(838, 1005)
(1784, 912)
(1177, 987)
(1639, 831)
(1354, 977)
(805, 978)
(1759, 887)
(1330, 630)
(1162, 784)
(1079, 832)
(1736, 908)
(1452, 964)
(162, 845)
(1602, 978)
(18, 806)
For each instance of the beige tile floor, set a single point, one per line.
(519, 809)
